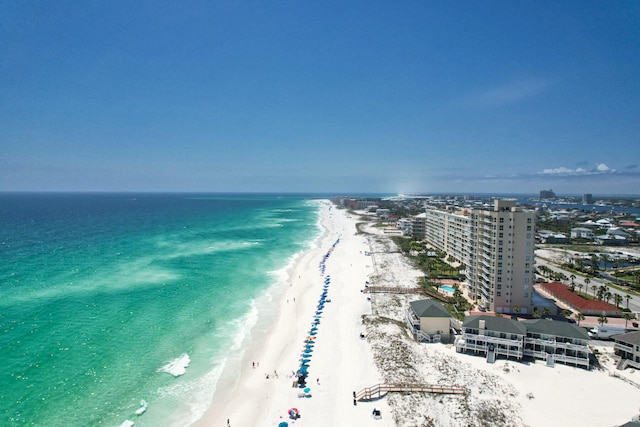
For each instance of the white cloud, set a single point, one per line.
(601, 168)
(604, 168)
(508, 93)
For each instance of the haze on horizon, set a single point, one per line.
(367, 97)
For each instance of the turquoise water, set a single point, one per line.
(110, 303)
(447, 288)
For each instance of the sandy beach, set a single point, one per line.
(505, 393)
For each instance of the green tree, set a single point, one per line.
(627, 316)
(579, 317)
(627, 297)
(607, 296)
(573, 284)
(602, 320)
(617, 300)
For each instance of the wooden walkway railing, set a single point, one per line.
(392, 290)
(402, 290)
(378, 390)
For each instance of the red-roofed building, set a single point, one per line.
(562, 293)
(629, 224)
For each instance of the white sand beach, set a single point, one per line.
(505, 393)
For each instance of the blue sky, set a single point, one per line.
(323, 96)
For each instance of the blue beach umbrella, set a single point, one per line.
(307, 390)
(314, 332)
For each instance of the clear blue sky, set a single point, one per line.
(320, 96)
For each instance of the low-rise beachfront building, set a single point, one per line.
(492, 336)
(429, 321)
(562, 293)
(581, 233)
(542, 339)
(627, 347)
(556, 342)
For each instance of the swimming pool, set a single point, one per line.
(447, 289)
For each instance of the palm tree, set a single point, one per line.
(580, 286)
(573, 285)
(579, 317)
(607, 296)
(593, 288)
(586, 282)
(617, 299)
(627, 316)
(602, 320)
(546, 311)
(627, 297)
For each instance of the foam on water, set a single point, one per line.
(143, 407)
(161, 279)
(177, 366)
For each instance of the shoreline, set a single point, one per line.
(341, 361)
(505, 393)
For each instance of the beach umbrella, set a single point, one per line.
(314, 332)
(283, 424)
(307, 390)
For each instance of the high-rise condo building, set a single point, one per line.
(497, 247)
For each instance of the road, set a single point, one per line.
(634, 301)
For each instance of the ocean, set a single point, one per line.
(129, 307)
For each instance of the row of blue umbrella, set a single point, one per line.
(305, 358)
(323, 263)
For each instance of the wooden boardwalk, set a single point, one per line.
(403, 290)
(392, 290)
(378, 390)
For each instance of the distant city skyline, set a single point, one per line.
(321, 97)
